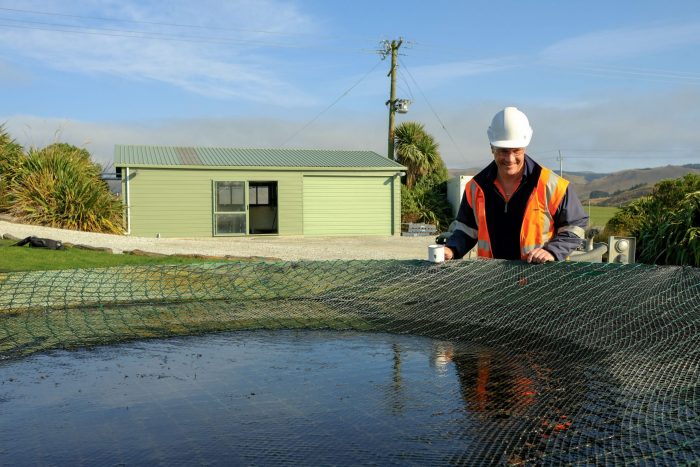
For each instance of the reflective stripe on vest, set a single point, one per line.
(475, 198)
(538, 220)
(572, 229)
(457, 225)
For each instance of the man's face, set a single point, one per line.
(510, 161)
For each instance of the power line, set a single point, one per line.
(126, 32)
(408, 86)
(135, 34)
(618, 151)
(607, 72)
(637, 71)
(152, 23)
(584, 156)
(459, 151)
(588, 69)
(331, 104)
(183, 25)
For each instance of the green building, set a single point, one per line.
(204, 192)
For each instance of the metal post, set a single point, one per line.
(561, 164)
(128, 202)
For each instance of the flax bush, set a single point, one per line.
(11, 158)
(59, 186)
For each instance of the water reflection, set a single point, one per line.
(308, 397)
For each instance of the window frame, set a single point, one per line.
(271, 193)
(216, 213)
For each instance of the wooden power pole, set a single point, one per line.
(393, 49)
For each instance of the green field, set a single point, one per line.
(13, 258)
(599, 215)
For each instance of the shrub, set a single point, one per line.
(598, 194)
(675, 237)
(417, 150)
(59, 186)
(666, 223)
(11, 158)
(427, 201)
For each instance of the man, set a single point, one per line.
(515, 208)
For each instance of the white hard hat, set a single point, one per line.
(510, 128)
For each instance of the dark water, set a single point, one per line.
(311, 398)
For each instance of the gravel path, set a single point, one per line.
(288, 248)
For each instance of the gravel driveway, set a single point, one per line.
(288, 248)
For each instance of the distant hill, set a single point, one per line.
(620, 198)
(620, 187)
(583, 178)
(626, 179)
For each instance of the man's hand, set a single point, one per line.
(538, 255)
(448, 254)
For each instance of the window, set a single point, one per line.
(230, 196)
(230, 208)
(262, 194)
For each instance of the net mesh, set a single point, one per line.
(612, 352)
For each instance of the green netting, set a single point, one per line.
(634, 330)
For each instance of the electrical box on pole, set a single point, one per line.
(401, 105)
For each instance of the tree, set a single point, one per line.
(424, 194)
(417, 150)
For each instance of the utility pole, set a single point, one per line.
(561, 164)
(393, 49)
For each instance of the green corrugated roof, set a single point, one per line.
(172, 156)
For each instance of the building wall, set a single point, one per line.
(348, 205)
(397, 204)
(455, 191)
(176, 202)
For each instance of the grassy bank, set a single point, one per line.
(14, 258)
(599, 215)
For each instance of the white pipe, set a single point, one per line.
(128, 204)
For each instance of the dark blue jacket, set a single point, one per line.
(505, 219)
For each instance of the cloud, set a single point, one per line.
(13, 74)
(221, 59)
(616, 44)
(425, 77)
(603, 135)
(622, 131)
(100, 138)
(439, 74)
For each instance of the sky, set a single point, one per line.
(607, 85)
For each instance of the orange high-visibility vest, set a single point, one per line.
(538, 221)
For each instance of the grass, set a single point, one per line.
(599, 215)
(39, 259)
